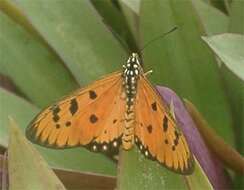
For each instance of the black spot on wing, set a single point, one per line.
(165, 123)
(149, 129)
(56, 118)
(115, 120)
(93, 118)
(176, 142)
(154, 106)
(92, 94)
(73, 106)
(55, 110)
(68, 123)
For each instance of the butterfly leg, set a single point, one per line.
(148, 72)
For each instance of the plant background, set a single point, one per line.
(49, 48)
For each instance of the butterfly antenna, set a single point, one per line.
(156, 38)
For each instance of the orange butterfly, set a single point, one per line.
(120, 109)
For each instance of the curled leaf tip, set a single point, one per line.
(222, 150)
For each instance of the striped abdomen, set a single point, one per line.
(129, 129)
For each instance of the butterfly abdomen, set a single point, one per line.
(129, 130)
(130, 75)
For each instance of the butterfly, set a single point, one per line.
(121, 109)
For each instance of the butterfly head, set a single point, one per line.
(132, 67)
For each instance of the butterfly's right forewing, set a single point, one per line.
(86, 117)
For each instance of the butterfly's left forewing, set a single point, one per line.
(157, 134)
(85, 118)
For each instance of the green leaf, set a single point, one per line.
(27, 169)
(237, 17)
(76, 159)
(133, 5)
(114, 19)
(149, 174)
(32, 67)
(235, 90)
(198, 180)
(222, 5)
(9, 8)
(235, 86)
(182, 61)
(213, 20)
(86, 46)
(137, 172)
(230, 49)
(18, 108)
(131, 11)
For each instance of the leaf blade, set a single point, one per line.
(81, 43)
(38, 175)
(229, 48)
(183, 62)
(31, 66)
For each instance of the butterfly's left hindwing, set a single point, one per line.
(90, 117)
(157, 135)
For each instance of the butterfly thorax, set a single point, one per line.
(131, 74)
